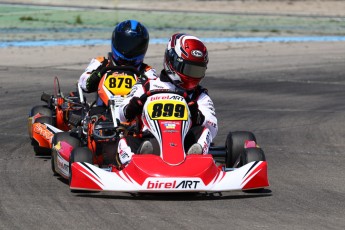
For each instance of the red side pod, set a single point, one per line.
(81, 178)
(256, 178)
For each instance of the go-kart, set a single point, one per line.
(95, 139)
(59, 114)
(167, 116)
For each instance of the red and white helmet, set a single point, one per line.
(185, 60)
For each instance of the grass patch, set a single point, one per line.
(27, 18)
(78, 20)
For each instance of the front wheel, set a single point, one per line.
(234, 146)
(62, 136)
(252, 154)
(80, 154)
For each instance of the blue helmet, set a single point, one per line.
(129, 43)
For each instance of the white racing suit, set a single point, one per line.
(205, 106)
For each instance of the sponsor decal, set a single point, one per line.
(197, 53)
(176, 97)
(167, 97)
(118, 99)
(169, 125)
(157, 86)
(179, 184)
(63, 165)
(210, 123)
(41, 129)
(170, 131)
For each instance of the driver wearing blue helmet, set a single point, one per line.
(129, 43)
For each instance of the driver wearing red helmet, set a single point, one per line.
(185, 65)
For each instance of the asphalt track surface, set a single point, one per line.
(291, 96)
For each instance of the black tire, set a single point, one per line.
(62, 136)
(46, 114)
(45, 119)
(41, 109)
(80, 154)
(252, 154)
(234, 146)
(109, 153)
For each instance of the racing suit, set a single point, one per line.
(204, 122)
(90, 79)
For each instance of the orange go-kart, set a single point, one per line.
(95, 127)
(61, 113)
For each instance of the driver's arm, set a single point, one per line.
(89, 80)
(206, 107)
(136, 92)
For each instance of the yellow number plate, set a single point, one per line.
(119, 84)
(167, 110)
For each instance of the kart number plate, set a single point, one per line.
(167, 110)
(119, 84)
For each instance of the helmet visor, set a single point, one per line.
(122, 60)
(184, 67)
(193, 70)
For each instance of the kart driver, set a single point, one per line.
(129, 43)
(185, 64)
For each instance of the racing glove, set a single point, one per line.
(93, 81)
(197, 117)
(134, 108)
(95, 77)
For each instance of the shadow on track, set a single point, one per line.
(178, 196)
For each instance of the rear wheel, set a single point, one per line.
(41, 109)
(80, 154)
(62, 136)
(234, 146)
(44, 111)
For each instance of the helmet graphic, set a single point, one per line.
(185, 60)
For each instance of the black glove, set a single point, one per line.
(95, 77)
(197, 117)
(93, 81)
(134, 108)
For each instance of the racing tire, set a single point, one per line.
(39, 151)
(62, 136)
(252, 154)
(41, 109)
(80, 154)
(234, 146)
(44, 111)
